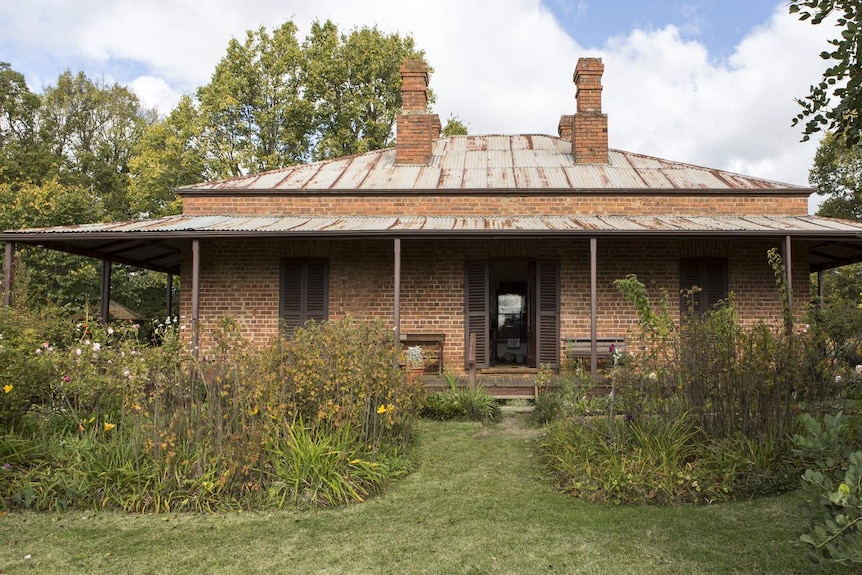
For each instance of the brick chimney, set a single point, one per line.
(589, 127)
(416, 129)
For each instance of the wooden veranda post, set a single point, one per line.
(594, 355)
(8, 273)
(196, 288)
(787, 273)
(105, 307)
(169, 295)
(397, 288)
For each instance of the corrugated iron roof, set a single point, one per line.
(157, 244)
(522, 162)
(360, 225)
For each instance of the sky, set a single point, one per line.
(707, 82)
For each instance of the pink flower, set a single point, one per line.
(67, 379)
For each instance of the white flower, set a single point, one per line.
(126, 373)
(78, 352)
(859, 369)
(38, 351)
(837, 379)
(110, 331)
(97, 346)
(653, 375)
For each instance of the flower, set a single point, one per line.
(109, 426)
(381, 409)
(8, 388)
(653, 375)
(38, 351)
(7, 466)
(66, 379)
(97, 346)
(110, 331)
(78, 351)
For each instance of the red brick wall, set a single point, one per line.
(240, 278)
(493, 204)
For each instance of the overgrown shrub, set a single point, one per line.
(150, 428)
(708, 403)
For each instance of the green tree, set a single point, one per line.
(454, 127)
(21, 154)
(837, 174)
(254, 116)
(842, 79)
(169, 155)
(353, 83)
(91, 128)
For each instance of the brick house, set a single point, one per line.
(498, 249)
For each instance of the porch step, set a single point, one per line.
(502, 386)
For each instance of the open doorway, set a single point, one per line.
(511, 308)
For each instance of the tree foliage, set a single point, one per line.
(353, 83)
(842, 79)
(837, 174)
(454, 127)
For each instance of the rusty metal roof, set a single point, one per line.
(157, 244)
(214, 225)
(493, 163)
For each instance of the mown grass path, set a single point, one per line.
(477, 503)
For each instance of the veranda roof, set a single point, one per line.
(156, 244)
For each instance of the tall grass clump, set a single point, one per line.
(102, 419)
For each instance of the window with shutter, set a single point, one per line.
(304, 292)
(708, 274)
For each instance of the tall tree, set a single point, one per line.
(254, 116)
(91, 128)
(842, 79)
(169, 155)
(354, 84)
(21, 155)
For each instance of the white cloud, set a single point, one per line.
(155, 92)
(502, 66)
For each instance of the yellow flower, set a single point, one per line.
(8, 387)
(109, 426)
(381, 409)
(390, 408)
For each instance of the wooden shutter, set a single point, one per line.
(316, 291)
(710, 275)
(291, 295)
(476, 312)
(548, 313)
(304, 292)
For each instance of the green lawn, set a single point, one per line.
(478, 503)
